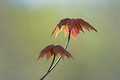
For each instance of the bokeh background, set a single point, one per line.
(25, 29)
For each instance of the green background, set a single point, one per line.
(25, 29)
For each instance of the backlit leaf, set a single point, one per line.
(73, 25)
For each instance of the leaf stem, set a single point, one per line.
(49, 68)
(53, 66)
(51, 63)
(60, 56)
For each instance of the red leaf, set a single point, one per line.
(66, 29)
(62, 51)
(84, 24)
(73, 25)
(74, 33)
(54, 50)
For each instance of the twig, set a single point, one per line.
(53, 66)
(49, 68)
(60, 56)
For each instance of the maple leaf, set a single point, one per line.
(72, 25)
(54, 50)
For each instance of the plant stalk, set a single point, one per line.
(53, 66)
(60, 56)
(49, 68)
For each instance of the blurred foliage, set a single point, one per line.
(25, 31)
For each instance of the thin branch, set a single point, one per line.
(60, 56)
(68, 40)
(51, 63)
(49, 68)
(53, 66)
